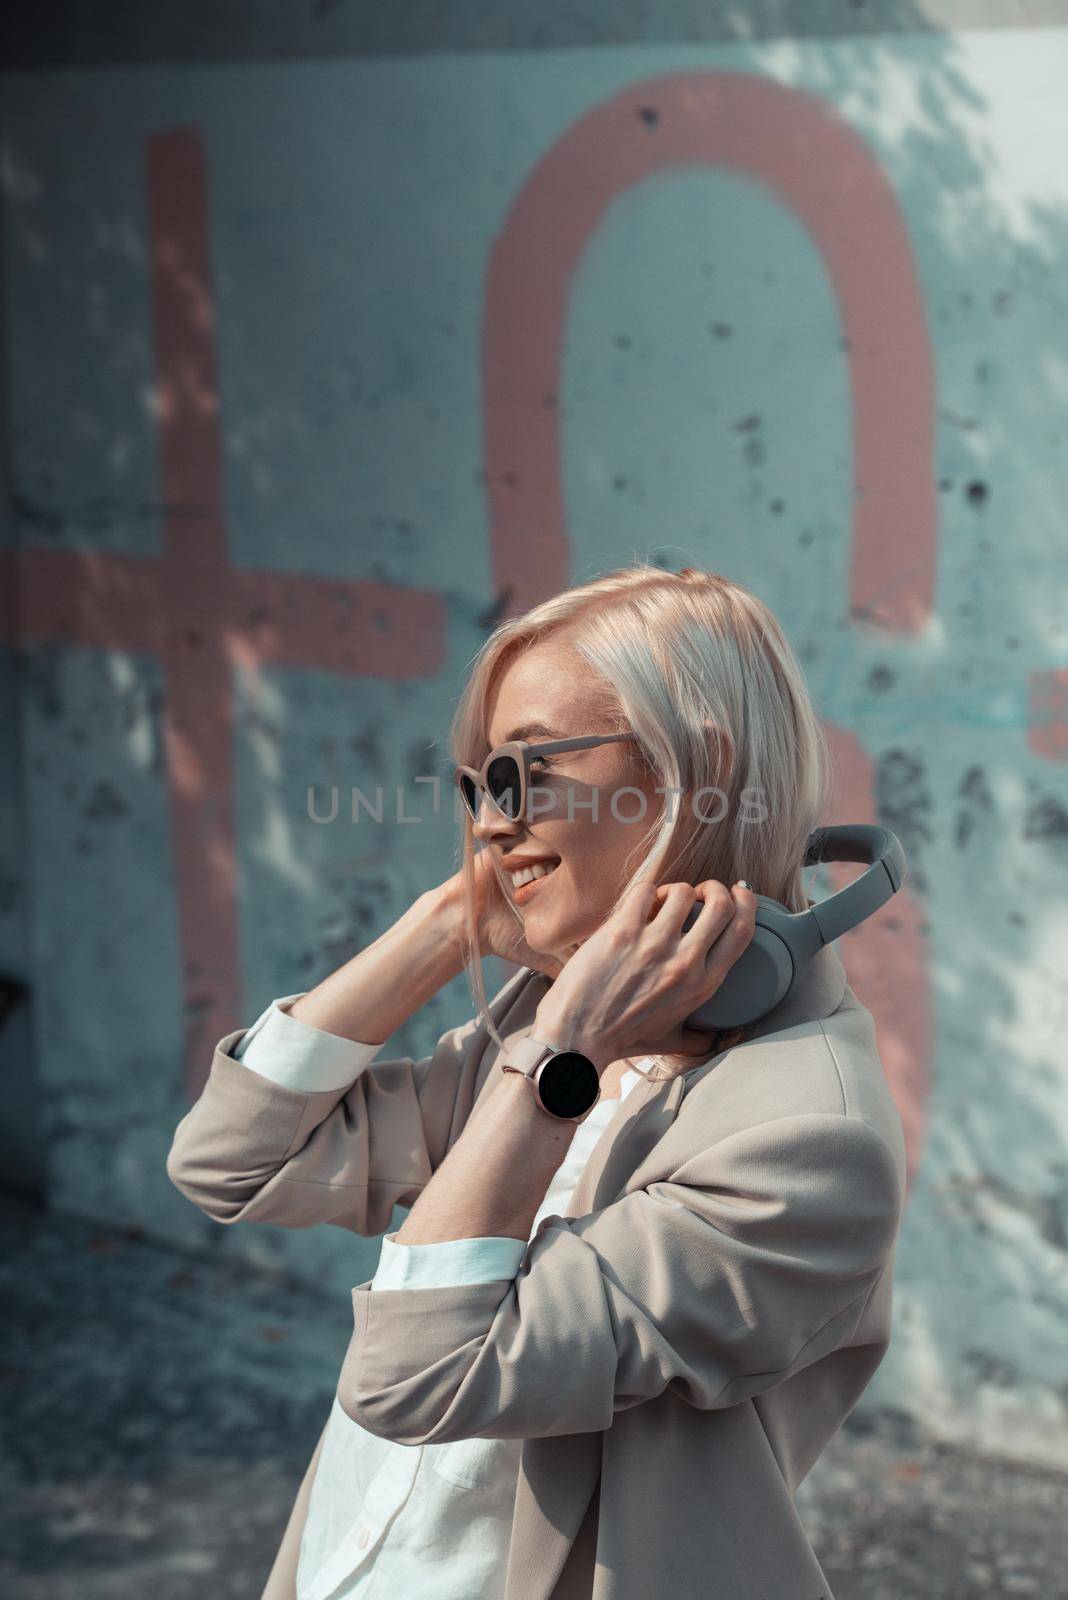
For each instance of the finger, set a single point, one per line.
(638, 903)
(746, 902)
(734, 939)
(717, 943)
(676, 900)
(714, 915)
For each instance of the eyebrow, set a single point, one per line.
(524, 730)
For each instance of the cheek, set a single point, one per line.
(583, 852)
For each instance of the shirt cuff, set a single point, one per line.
(452, 1261)
(298, 1055)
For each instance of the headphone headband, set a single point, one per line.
(855, 841)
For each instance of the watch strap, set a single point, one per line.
(525, 1055)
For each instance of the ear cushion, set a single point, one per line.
(757, 981)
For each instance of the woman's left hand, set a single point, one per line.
(628, 988)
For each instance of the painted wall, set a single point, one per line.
(316, 369)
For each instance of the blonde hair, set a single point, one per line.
(700, 670)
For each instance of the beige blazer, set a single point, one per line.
(675, 1352)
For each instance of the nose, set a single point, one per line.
(492, 824)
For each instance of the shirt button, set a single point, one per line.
(362, 1540)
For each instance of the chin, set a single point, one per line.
(554, 940)
(541, 936)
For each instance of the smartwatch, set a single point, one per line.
(566, 1083)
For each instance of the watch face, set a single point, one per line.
(568, 1084)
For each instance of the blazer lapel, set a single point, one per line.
(633, 1133)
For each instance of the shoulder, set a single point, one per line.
(825, 1068)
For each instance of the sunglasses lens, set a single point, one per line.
(504, 784)
(469, 790)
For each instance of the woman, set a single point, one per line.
(600, 1354)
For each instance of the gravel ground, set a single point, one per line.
(160, 1411)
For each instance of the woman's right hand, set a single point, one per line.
(500, 930)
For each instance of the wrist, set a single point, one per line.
(565, 1031)
(439, 913)
(380, 987)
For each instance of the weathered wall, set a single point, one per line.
(314, 367)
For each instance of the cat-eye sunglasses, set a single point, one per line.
(505, 774)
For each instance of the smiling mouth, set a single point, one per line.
(524, 890)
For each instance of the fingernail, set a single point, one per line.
(743, 883)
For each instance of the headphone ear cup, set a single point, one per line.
(756, 982)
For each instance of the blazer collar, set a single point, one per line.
(647, 1112)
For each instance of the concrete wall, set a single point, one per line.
(315, 367)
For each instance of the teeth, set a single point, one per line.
(528, 874)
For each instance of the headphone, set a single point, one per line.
(785, 941)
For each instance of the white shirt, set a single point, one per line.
(432, 1521)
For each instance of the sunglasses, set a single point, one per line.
(505, 774)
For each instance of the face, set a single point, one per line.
(586, 842)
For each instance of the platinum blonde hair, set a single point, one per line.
(700, 670)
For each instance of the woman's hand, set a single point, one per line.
(627, 990)
(500, 930)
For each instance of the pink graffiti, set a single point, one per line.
(201, 617)
(1048, 720)
(822, 170)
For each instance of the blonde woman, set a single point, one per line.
(603, 1350)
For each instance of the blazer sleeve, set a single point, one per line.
(255, 1150)
(746, 1264)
